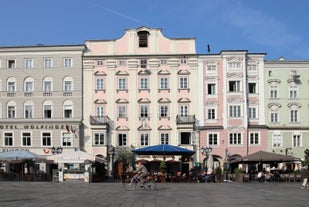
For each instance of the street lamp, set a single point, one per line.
(206, 151)
(57, 150)
(287, 149)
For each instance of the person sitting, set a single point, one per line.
(261, 177)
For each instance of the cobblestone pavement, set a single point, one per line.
(78, 194)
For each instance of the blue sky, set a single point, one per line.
(276, 27)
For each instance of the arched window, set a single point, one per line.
(47, 85)
(11, 84)
(28, 109)
(28, 84)
(68, 109)
(47, 109)
(11, 110)
(68, 84)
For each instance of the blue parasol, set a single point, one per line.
(163, 149)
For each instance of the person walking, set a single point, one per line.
(304, 176)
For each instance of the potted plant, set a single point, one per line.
(239, 175)
(218, 172)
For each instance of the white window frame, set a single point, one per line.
(164, 83)
(254, 138)
(28, 63)
(67, 62)
(213, 139)
(183, 82)
(122, 83)
(144, 83)
(144, 139)
(234, 111)
(48, 63)
(98, 138)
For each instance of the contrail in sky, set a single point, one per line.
(116, 12)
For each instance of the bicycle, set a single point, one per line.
(131, 183)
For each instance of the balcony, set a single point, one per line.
(190, 119)
(99, 120)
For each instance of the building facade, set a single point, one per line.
(41, 98)
(232, 122)
(286, 106)
(140, 90)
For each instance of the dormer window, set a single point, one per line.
(143, 38)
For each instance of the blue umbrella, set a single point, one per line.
(163, 149)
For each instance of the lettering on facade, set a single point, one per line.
(31, 126)
(13, 149)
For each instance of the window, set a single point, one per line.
(274, 116)
(235, 111)
(143, 111)
(293, 92)
(67, 84)
(122, 112)
(273, 93)
(122, 84)
(47, 86)
(122, 139)
(100, 62)
(46, 139)
(163, 111)
(164, 83)
(183, 61)
(67, 62)
(28, 111)
(28, 85)
(163, 61)
(11, 64)
(235, 138)
(11, 86)
(294, 116)
(143, 63)
(252, 87)
(28, 63)
(47, 110)
(164, 138)
(213, 139)
(11, 111)
(254, 138)
(144, 139)
(234, 65)
(99, 111)
(26, 139)
(251, 67)
(234, 86)
(144, 83)
(66, 139)
(211, 88)
(122, 63)
(8, 139)
(277, 140)
(183, 83)
(211, 113)
(296, 140)
(252, 113)
(184, 110)
(185, 137)
(99, 84)
(98, 138)
(68, 109)
(211, 68)
(48, 63)
(143, 38)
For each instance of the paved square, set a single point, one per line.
(168, 195)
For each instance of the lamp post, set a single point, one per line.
(206, 151)
(287, 149)
(56, 150)
(110, 152)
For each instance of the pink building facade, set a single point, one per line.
(140, 90)
(232, 122)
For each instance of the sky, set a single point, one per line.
(278, 28)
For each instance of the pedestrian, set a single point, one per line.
(304, 176)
